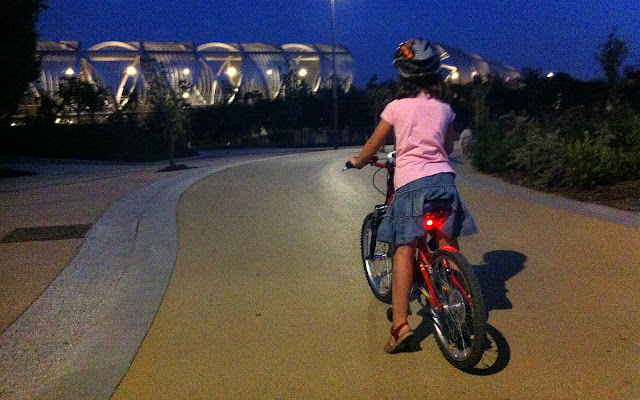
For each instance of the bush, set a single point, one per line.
(496, 140)
(542, 158)
(114, 142)
(592, 162)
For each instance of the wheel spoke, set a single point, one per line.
(377, 261)
(462, 313)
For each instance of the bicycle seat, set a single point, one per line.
(437, 206)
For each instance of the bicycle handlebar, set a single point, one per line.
(372, 161)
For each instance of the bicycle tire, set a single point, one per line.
(460, 328)
(377, 268)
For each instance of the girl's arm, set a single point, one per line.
(377, 139)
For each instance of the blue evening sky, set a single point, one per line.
(559, 36)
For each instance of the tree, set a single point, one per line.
(49, 108)
(167, 109)
(82, 97)
(19, 64)
(612, 54)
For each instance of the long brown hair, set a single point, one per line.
(432, 85)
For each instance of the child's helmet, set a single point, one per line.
(417, 58)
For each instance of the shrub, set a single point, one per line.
(491, 149)
(496, 139)
(542, 158)
(592, 162)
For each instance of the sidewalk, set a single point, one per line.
(68, 195)
(128, 207)
(72, 195)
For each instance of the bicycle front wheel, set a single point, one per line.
(460, 327)
(377, 260)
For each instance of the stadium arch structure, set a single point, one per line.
(462, 67)
(211, 73)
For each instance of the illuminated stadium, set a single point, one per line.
(464, 66)
(213, 72)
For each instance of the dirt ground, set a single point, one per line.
(623, 195)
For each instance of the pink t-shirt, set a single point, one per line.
(420, 125)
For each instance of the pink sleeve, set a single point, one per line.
(388, 114)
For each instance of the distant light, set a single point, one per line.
(57, 121)
(131, 70)
(186, 71)
(69, 72)
(550, 75)
(269, 72)
(232, 71)
(473, 74)
(302, 72)
(185, 95)
(14, 124)
(455, 75)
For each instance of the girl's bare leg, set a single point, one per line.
(401, 282)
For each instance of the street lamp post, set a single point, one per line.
(334, 75)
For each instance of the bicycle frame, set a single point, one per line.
(433, 222)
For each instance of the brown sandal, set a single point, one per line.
(401, 341)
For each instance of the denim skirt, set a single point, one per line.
(403, 222)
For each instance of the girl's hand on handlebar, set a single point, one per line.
(355, 163)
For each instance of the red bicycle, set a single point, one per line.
(444, 283)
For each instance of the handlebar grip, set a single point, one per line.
(348, 165)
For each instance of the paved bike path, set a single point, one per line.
(268, 300)
(79, 337)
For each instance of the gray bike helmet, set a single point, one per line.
(417, 58)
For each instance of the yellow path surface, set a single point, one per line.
(268, 299)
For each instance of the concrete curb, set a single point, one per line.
(79, 338)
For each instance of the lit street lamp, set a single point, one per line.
(334, 75)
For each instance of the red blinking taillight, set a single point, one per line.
(435, 220)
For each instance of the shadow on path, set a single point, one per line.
(499, 266)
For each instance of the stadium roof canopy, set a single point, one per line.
(214, 73)
(464, 66)
(210, 73)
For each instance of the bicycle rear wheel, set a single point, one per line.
(460, 328)
(377, 259)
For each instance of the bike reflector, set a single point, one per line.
(434, 220)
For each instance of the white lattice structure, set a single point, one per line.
(464, 66)
(211, 73)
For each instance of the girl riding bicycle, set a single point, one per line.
(423, 127)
